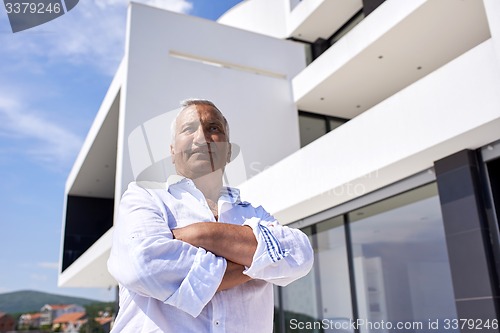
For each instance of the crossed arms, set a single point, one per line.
(184, 267)
(235, 243)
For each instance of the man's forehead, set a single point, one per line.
(197, 113)
(189, 114)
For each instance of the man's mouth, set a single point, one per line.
(199, 151)
(209, 148)
(204, 154)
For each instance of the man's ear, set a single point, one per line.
(229, 153)
(172, 153)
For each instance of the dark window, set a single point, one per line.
(494, 175)
(312, 126)
(370, 5)
(87, 219)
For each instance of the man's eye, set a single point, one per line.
(214, 129)
(188, 130)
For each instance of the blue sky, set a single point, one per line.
(52, 80)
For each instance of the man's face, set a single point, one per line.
(201, 144)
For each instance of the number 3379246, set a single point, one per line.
(32, 8)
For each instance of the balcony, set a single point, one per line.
(314, 19)
(395, 46)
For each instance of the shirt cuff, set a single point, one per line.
(269, 249)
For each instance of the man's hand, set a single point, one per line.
(234, 242)
(233, 276)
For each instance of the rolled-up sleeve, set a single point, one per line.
(147, 260)
(283, 254)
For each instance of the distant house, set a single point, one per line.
(52, 311)
(29, 320)
(105, 323)
(7, 322)
(69, 322)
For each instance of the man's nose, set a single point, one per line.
(200, 137)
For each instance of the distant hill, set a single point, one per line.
(32, 301)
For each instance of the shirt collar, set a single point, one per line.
(227, 194)
(174, 179)
(230, 194)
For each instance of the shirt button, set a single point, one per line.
(216, 323)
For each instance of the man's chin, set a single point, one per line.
(202, 170)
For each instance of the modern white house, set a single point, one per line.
(373, 126)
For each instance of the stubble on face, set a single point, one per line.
(201, 144)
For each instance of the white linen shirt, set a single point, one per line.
(167, 285)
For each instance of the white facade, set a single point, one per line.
(451, 103)
(170, 57)
(418, 80)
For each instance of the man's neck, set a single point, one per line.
(210, 185)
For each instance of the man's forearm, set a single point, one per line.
(233, 242)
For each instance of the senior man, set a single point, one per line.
(188, 254)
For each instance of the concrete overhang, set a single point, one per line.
(454, 108)
(89, 270)
(396, 45)
(314, 19)
(93, 173)
(83, 264)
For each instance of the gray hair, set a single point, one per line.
(195, 101)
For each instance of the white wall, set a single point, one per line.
(172, 57)
(454, 108)
(492, 8)
(267, 17)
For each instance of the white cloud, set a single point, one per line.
(173, 5)
(180, 6)
(92, 33)
(47, 141)
(38, 277)
(7, 103)
(49, 265)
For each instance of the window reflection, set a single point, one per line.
(400, 261)
(333, 270)
(324, 293)
(399, 269)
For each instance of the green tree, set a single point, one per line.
(93, 309)
(91, 326)
(46, 328)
